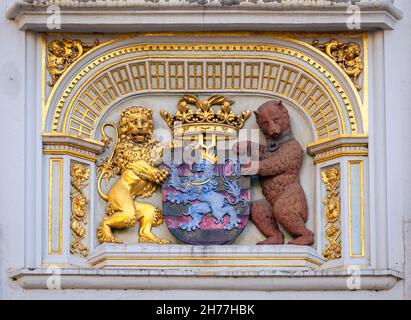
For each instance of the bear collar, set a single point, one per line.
(274, 144)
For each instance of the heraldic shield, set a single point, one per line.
(206, 202)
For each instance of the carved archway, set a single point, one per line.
(284, 68)
(289, 69)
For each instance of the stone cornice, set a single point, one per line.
(339, 146)
(202, 15)
(249, 4)
(336, 142)
(78, 143)
(203, 279)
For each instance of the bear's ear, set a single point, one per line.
(281, 103)
(256, 113)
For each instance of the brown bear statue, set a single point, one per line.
(280, 162)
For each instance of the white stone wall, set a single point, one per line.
(398, 115)
(18, 175)
(13, 130)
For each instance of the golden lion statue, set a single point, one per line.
(135, 157)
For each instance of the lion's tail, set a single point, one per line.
(106, 170)
(100, 191)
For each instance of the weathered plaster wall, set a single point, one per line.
(16, 112)
(398, 115)
(12, 128)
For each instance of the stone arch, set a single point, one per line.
(290, 70)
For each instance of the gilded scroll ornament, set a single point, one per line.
(347, 55)
(62, 53)
(331, 179)
(135, 159)
(79, 180)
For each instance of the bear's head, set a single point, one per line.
(273, 120)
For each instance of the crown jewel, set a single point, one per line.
(189, 122)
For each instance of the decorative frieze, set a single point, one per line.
(79, 181)
(331, 178)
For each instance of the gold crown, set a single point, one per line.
(188, 122)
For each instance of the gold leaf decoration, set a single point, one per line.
(331, 179)
(79, 180)
(347, 55)
(62, 54)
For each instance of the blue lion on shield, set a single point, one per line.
(201, 187)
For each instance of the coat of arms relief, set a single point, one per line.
(206, 201)
(206, 197)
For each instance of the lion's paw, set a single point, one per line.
(105, 238)
(153, 240)
(232, 225)
(189, 227)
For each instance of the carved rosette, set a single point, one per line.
(62, 54)
(347, 55)
(79, 180)
(332, 179)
